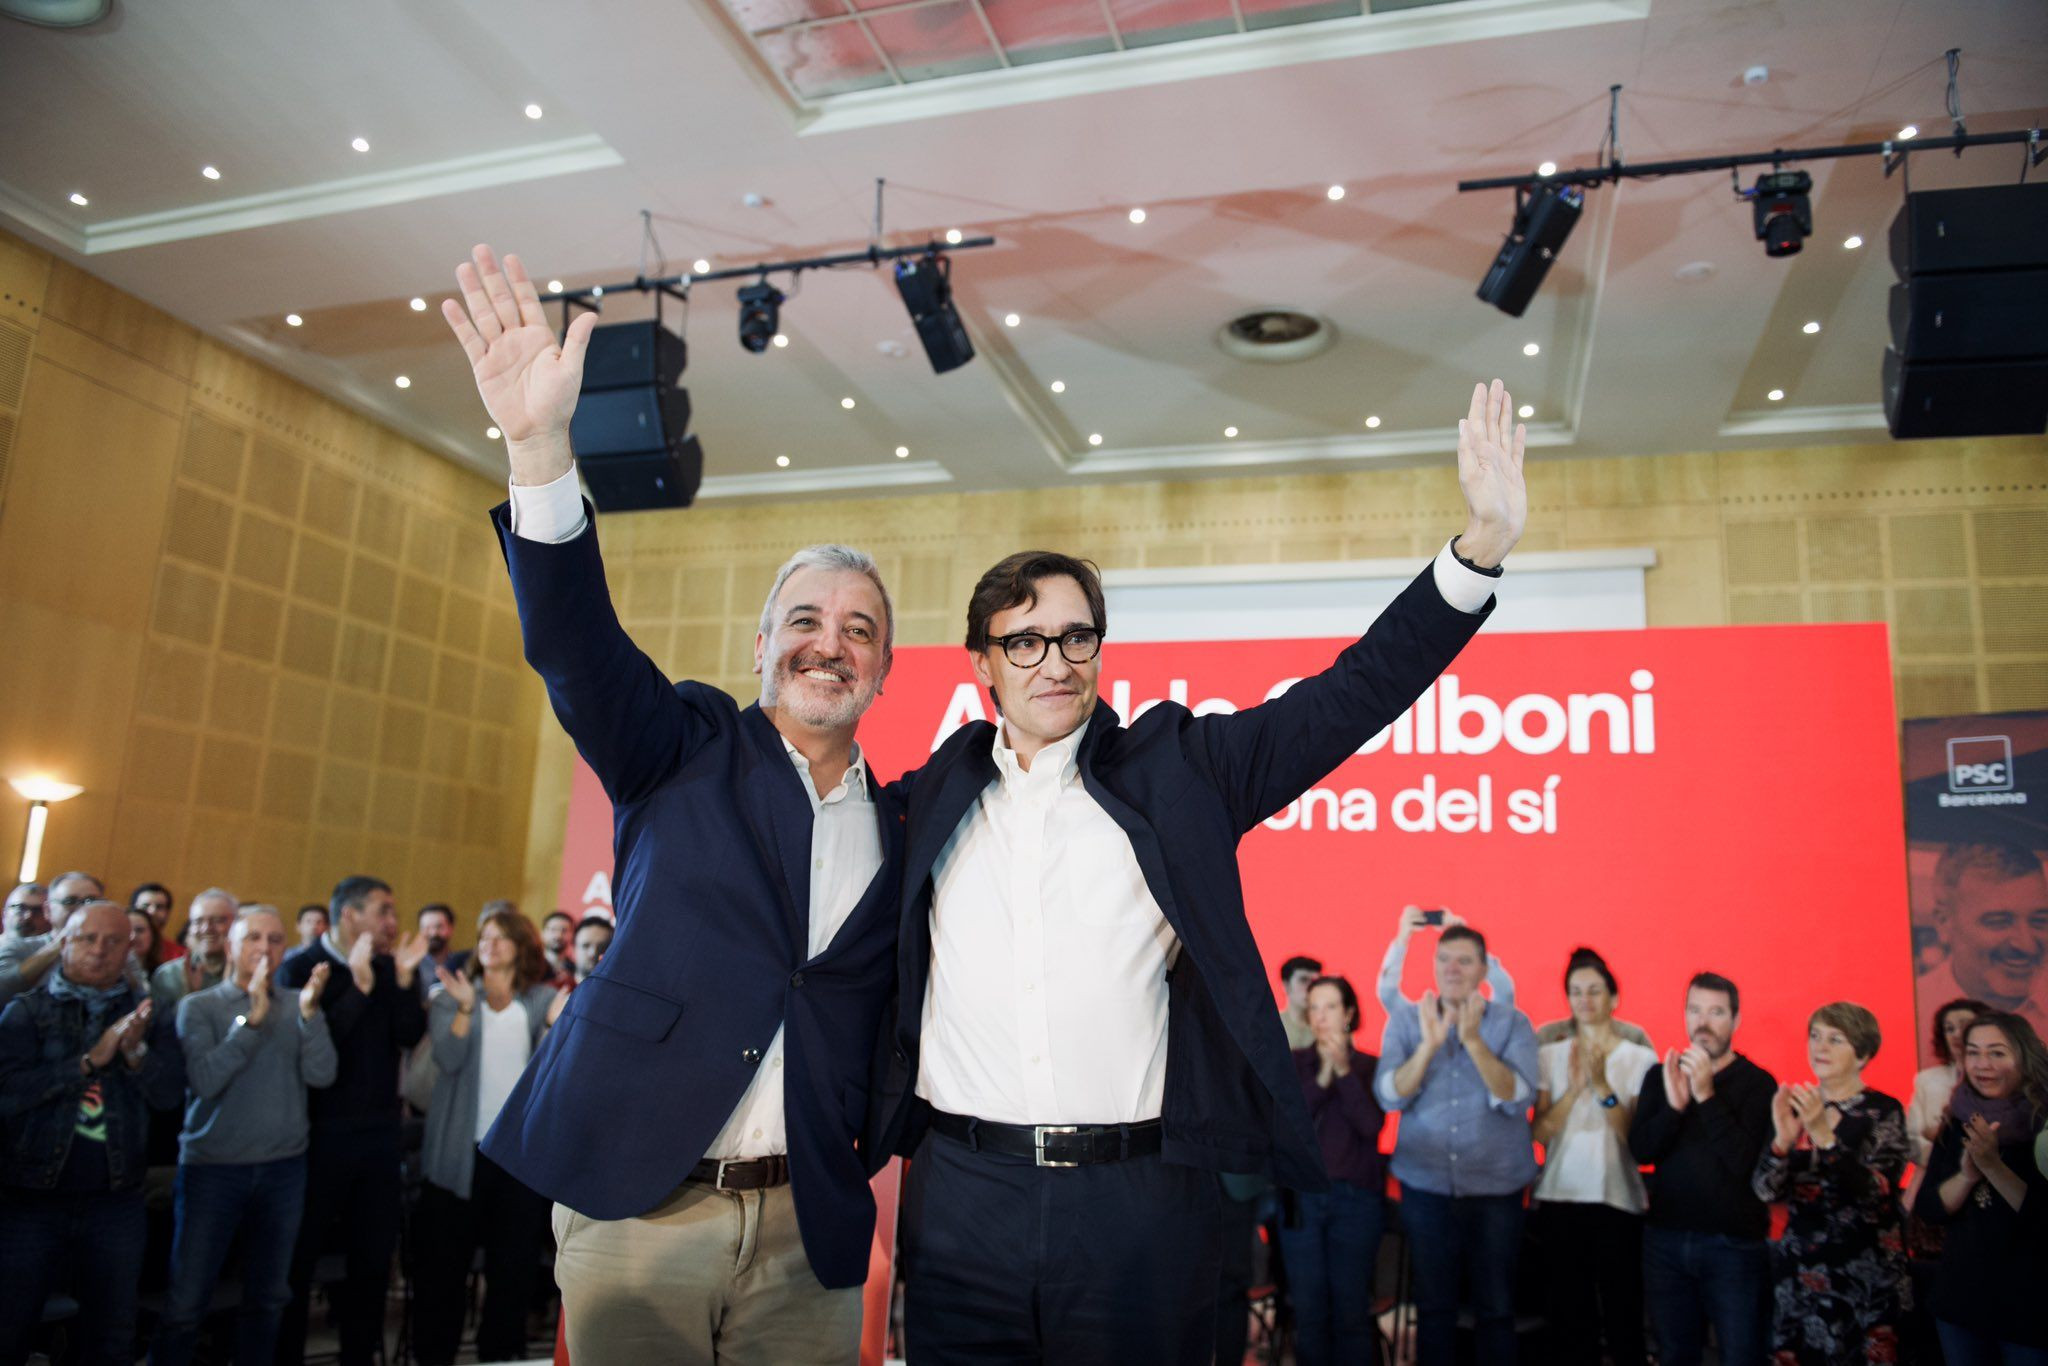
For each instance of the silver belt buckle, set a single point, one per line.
(1038, 1133)
(723, 1163)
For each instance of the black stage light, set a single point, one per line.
(760, 316)
(1544, 217)
(1784, 215)
(925, 284)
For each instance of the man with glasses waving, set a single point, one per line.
(1084, 1035)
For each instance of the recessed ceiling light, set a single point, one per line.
(1851, 243)
(80, 200)
(293, 320)
(403, 382)
(1230, 431)
(1059, 386)
(493, 433)
(533, 111)
(902, 451)
(700, 266)
(846, 402)
(1526, 410)
(781, 339)
(360, 144)
(1011, 320)
(1547, 168)
(954, 236)
(1530, 348)
(210, 172)
(1137, 215)
(419, 305)
(782, 462)
(1373, 421)
(1911, 130)
(1335, 192)
(554, 286)
(1810, 328)
(1775, 395)
(1095, 438)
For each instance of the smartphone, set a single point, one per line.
(1433, 917)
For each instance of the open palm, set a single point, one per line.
(527, 381)
(1490, 463)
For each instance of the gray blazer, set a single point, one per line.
(449, 1155)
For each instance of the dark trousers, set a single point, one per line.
(1962, 1347)
(89, 1243)
(1691, 1279)
(1332, 1251)
(1005, 1261)
(1592, 1282)
(351, 1175)
(1480, 1236)
(260, 1201)
(508, 1221)
(1240, 1232)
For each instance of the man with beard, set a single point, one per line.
(555, 929)
(1702, 1120)
(694, 1111)
(205, 960)
(1991, 911)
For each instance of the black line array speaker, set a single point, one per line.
(631, 427)
(1969, 314)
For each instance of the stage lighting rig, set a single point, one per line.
(1544, 217)
(925, 282)
(1784, 214)
(760, 315)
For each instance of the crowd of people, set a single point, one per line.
(1658, 1175)
(276, 1073)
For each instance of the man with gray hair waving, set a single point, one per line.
(694, 1112)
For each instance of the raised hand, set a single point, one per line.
(1575, 1065)
(1470, 1014)
(1429, 1013)
(136, 1034)
(359, 964)
(1409, 923)
(406, 957)
(1699, 1071)
(458, 985)
(309, 994)
(527, 381)
(1677, 1081)
(1980, 1146)
(1784, 1120)
(259, 992)
(1490, 474)
(109, 1042)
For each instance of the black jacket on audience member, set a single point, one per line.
(1994, 1258)
(1706, 1153)
(369, 1034)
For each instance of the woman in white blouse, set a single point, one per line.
(1589, 1199)
(1934, 1085)
(484, 1024)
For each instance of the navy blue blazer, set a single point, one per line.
(1185, 789)
(712, 841)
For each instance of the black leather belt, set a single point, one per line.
(1052, 1145)
(742, 1173)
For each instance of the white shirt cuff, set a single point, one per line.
(553, 512)
(1462, 588)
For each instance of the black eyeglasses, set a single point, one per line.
(1026, 648)
(72, 903)
(24, 905)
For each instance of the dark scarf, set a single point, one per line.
(2013, 1114)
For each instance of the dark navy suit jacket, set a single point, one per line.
(1185, 789)
(712, 840)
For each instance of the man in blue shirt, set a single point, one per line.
(1461, 1072)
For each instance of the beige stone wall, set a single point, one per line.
(271, 638)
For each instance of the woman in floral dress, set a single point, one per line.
(1837, 1160)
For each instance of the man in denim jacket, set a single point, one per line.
(82, 1060)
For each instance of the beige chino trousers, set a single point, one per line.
(706, 1276)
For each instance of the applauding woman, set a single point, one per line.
(484, 1023)
(1983, 1183)
(1836, 1159)
(1590, 1199)
(1331, 1240)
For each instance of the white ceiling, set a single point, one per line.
(1228, 143)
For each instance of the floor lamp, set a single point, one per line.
(40, 793)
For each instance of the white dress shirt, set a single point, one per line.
(846, 848)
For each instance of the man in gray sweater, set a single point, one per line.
(242, 1164)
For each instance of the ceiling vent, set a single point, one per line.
(1276, 335)
(56, 13)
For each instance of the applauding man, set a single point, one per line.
(242, 1155)
(374, 1013)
